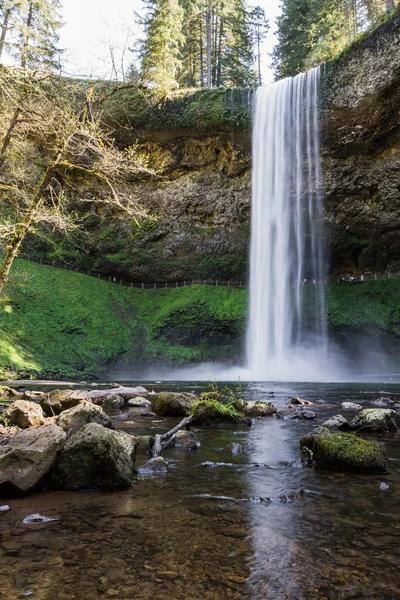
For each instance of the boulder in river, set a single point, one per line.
(113, 402)
(144, 443)
(97, 396)
(139, 403)
(300, 401)
(171, 404)
(212, 412)
(154, 466)
(27, 457)
(337, 422)
(82, 414)
(307, 440)
(58, 400)
(383, 402)
(234, 448)
(187, 440)
(25, 414)
(350, 406)
(258, 409)
(377, 419)
(95, 458)
(348, 452)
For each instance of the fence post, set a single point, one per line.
(216, 283)
(240, 283)
(184, 283)
(98, 275)
(229, 283)
(142, 286)
(28, 257)
(389, 275)
(376, 277)
(41, 261)
(120, 282)
(155, 286)
(131, 284)
(176, 284)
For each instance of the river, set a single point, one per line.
(216, 526)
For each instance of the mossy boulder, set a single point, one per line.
(212, 412)
(82, 414)
(350, 453)
(187, 440)
(113, 402)
(377, 419)
(95, 458)
(58, 400)
(173, 404)
(258, 409)
(144, 443)
(308, 439)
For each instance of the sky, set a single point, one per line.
(95, 30)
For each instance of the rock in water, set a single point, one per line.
(154, 466)
(348, 452)
(95, 458)
(59, 400)
(187, 440)
(113, 402)
(258, 409)
(296, 400)
(173, 404)
(351, 406)
(377, 419)
(25, 414)
(383, 402)
(28, 456)
(82, 414)
(337, 422)
(234, 448)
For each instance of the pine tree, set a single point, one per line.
(161, 48)
(31, 32)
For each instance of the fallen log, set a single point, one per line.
(166, 439)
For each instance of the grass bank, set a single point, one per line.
(61, 324)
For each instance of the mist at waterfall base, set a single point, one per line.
(287, 336)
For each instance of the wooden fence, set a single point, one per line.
(210, 282)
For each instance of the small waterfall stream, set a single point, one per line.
(287, 243)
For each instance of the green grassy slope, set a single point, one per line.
(64, 324)
(59, 323)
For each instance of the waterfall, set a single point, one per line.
(287, 246)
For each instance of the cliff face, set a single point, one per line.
(361, 147)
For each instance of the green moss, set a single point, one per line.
(208, 412)
(346, 451)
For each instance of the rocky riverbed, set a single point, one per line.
(259, 517)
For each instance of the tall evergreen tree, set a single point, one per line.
(160, 51)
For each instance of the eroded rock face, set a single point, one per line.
(377, 419)
(95, 458)
(27, 457)
(25, 414)
(58, 400)
(82, 414)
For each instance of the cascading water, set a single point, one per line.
(286, 337)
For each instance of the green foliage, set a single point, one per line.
(4, 420)
(207, 411)
(313, 31)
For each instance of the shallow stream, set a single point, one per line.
(215, 527)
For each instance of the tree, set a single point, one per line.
(259, 29)
(59, 133)
(161, 48)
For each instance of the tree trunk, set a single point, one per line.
(209, 43)
(7, 138)
(201, 53)
(4, 29)
(219, 61)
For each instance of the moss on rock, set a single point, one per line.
(350, 453)
(210, 412)
(173, 404)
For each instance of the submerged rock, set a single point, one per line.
(95, 458)
(25, 414)
(173, 404)
(234, 448)
(113, 402)
(145, 443)
(154, 466)
(82, 414)
(377, 419)
(59, 400)
(258, 409)
(187, 440)
(351, 406)
(28, 456)
(348, 452)
(337, 422)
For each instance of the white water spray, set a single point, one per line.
(285, 341)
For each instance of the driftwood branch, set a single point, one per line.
(164, 440)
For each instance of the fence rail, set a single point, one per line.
(210, 282)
